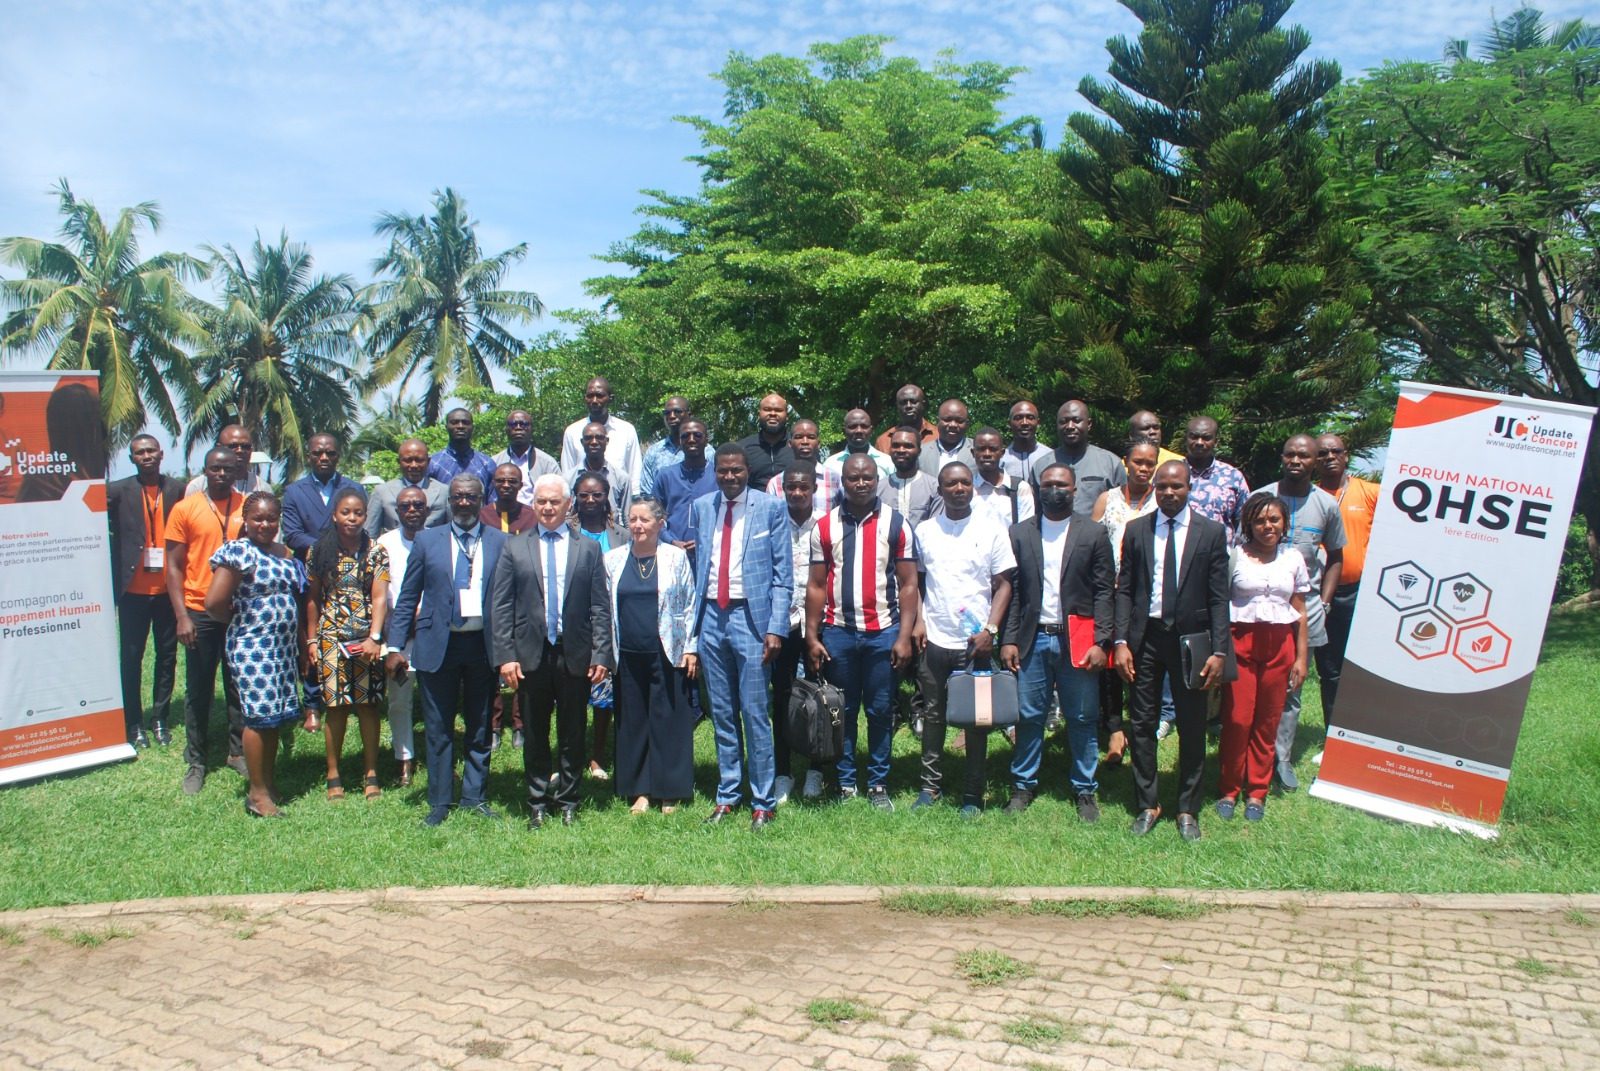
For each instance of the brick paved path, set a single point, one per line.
(694, 978)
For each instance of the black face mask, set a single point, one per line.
(1055, 499)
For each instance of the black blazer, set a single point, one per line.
(1203, 580)
(125, 515)
(1088, 581)
(516, 593)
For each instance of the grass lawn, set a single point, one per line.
(127, 831)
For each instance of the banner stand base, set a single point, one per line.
(1405, 812)
(66, 763)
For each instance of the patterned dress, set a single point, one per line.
(261, 642)
(1119, 512)
(346, 618)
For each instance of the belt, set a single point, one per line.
(1053, 630)
(733, 604)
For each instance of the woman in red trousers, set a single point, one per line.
(1268, 584)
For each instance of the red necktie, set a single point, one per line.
(725, 559)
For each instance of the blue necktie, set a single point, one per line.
(463, 575)
(552, 591)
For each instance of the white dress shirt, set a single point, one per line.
(1158, 574)
(741, 508)
(996, 498)
(622, 447)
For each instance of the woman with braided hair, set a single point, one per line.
(344, 633)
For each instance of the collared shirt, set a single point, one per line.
(997, 499)
(468, 543)
(1159, 573)
(863, 587)
(533, 464)
(396, 544)
(247, 486)
(1097, 470)
(1019, 466)
(622, 446)
(765, 459)
(825, 496)
(621, 488)
(835, 463)
(1053, 537)
(556, 584)
(677, 486)
(915, 496)
(929, 430)
(1218, 491)
(960, 559)
(324, 488)
(663, 453)
(800, 548)
(741, 509)
(446, 466)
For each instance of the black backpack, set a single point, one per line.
(816, 720)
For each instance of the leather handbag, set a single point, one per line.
(982, 699)
(816, 720)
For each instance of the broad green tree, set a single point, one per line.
(441, 316)
(91, 303)
(1476, 184)
(1204, 267)
(860, 221)
(279, 351)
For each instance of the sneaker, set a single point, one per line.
(925, 799)
(781, 789)
(847, 792)
(1021, 799)
(494, 742)
(879, 798)
(163, 734)
(1163, 730)
(813, 786)
(1225, 809)
(1088, 807)
(969, 811)
(516, 739)
(138, 738)
(1054, 722)
(194, 780)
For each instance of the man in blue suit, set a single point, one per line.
(745, 569)
(448, 573)
(308, 502)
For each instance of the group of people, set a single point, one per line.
(680, 581)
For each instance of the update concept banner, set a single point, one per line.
(60, 692)
(1478, 491)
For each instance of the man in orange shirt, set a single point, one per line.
(1358, 499)
(197, 527)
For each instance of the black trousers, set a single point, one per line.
(1330, 656)
(1111, 691)
(1158, 656)
(199, 682)
(784, 668)
(933, 679)
(550, 688)
(139, 617)
(654, 728)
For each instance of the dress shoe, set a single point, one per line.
(759, 820)
(236, 764)
(536, 817)
(138, 738)
(1255, 811)
(1021, 799)
(194, 780)
(718, 813)
(569, 816)
(1225, 809)
(483, 810)
(162, 734)
(1286, 777)
(1145, 822)
(1088, 807)
(436, 816)
(408, 770)
(1188, 827)
(782, 788)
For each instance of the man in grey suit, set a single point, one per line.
(952, 443)
(551, 609)
(413, 457)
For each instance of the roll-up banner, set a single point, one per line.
(60, 689)
(1478, 491)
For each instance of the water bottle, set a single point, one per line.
(970, 622)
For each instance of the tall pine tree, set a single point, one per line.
(1204, 268)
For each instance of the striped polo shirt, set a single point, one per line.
(863, 590)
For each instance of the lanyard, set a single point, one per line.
(224, 518)
(152, 507)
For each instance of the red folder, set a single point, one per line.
(1080, 637)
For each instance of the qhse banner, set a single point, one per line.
(1466, 540)
(60, 690)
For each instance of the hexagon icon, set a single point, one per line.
(1482, 648)
(1405, 585)
(1424, 634)
(1462, 598)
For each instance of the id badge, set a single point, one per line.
(471, 601)
(155, 559)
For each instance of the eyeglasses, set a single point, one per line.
(406, 507)
(465, 498)
(519, 423)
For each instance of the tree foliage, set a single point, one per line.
(1210, 271)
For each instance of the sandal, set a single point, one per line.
(372, 791)
(311, 725)
(335, 788)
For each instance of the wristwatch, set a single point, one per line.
(376, 638)
(992, 629)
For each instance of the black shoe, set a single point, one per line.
(536, 816)
(760, 820)
(194, 780)
(138, 738)
(569, 815)
(718, 814)
(1021, 799)
(436, 816)
(483, 810)
(1145, 822)
(1188, 827)
(163, 734)
(1088, 807)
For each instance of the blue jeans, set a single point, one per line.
(736, 683)
(858, 665)
(1045, 668)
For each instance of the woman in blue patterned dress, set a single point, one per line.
(258, 588)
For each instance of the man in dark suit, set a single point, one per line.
(308, 502)
(1155, 608)
(451, 566)
(745, 572)
(1065, 585)
(137, 507)
(551, 640)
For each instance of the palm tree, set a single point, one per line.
(92, 304)
(278, 352)
(385, 428)
(1525, 29)
(441, 316)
